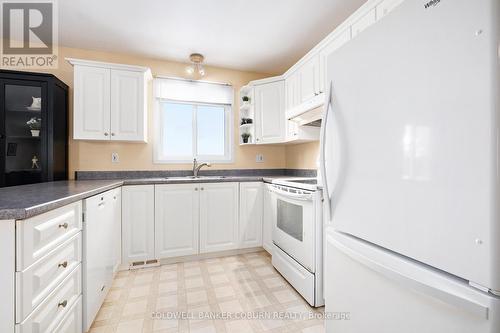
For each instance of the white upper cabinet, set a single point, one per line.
(91, 118)
(270, 112)
(176, 220)
(292, 91)
(128, 106)
(110, 101)
(251, 214)
(218, 217)
(308, 80)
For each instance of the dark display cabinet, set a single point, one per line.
(33, 128)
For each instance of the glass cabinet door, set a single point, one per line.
(24, 131)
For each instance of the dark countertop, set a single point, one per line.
(21, 202)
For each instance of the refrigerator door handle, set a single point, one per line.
(327, 107)
(413, 283)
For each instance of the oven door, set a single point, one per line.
(293, 230)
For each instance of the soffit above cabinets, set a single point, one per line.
(260, 35)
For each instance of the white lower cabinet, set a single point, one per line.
(250, 226)
(176, 220)
(72, 322)
(117, 227)
(99, 252)
(269, 217)
(218, 217)
(138, 223)
(34, 284)
(51, 312)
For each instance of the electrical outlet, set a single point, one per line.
(259, 158)
(115, 158)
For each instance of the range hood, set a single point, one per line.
(309, 113)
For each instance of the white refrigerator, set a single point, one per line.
(411, 173)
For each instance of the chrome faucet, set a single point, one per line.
(197, 167)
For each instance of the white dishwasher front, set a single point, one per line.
(98, 253)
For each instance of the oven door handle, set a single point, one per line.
(303, 197)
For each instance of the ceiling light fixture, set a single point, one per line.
(196, 65)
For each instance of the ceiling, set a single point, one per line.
(265, 36)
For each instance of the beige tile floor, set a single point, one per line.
(245, 283)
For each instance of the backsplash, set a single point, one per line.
(96, 175)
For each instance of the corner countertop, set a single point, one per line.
(21, 202)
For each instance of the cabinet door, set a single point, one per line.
(91, 117)
(337, 41)
(308, 79)
(128, 108)
(250, 226)
(270, 112)
(269, 219)
(218, 217)
(364, 22)
(98, 252)
(117, 222)
(176, 220)
(138, 223)
(291, 91)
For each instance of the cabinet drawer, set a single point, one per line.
(34, 284)
(72, 322)
(37, 236)
(50, 313)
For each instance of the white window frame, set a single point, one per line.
(159, 158)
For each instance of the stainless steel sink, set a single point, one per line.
(190, 178)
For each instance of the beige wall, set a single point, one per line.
(94, 155)
(302, 156)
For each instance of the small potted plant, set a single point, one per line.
(34, 124)
(245, 137)
(245, 99)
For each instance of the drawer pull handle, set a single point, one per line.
(63, 304)
(64, 264)
(64, 225)
(102, 289)
(101, 204)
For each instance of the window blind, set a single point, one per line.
(193, 91)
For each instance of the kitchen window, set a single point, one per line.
(192, 120)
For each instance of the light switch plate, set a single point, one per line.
(259, 158)
(115, 158)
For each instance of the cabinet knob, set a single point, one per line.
(64, 225)
(106, 134)
(64, 264)
(202, 189)
(2, 136)
(62, 304)
(112, 134)
(196, 189)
